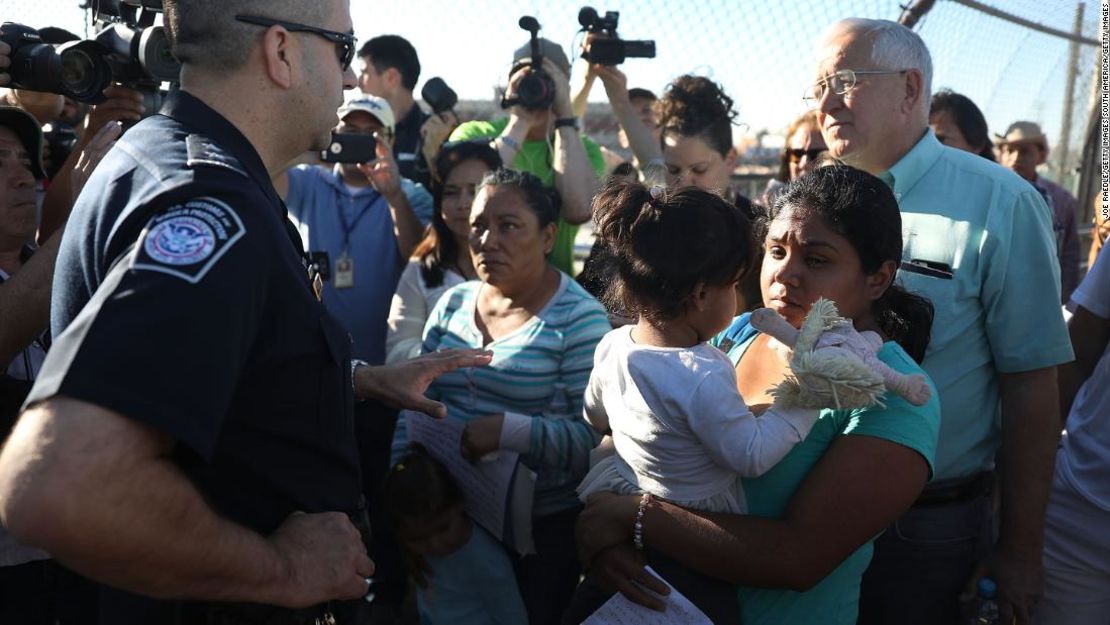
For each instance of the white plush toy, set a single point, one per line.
(833, 365)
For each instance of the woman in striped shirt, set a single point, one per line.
(542, 328)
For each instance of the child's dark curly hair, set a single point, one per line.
(667, 242)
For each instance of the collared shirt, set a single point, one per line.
(979, 245)
(333, 218)
(407, 146)
(1064, 225)
(184, 304)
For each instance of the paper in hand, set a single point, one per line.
(620, 611)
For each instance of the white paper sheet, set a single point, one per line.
(485, 484)
(621, 611)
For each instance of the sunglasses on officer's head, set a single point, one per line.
(344, 42)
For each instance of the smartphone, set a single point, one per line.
(350, 148)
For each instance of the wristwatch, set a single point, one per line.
(567, 122)
(355, 364)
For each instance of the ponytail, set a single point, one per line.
(906, 318)
(665, 242)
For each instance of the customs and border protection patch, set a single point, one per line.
(188, 239)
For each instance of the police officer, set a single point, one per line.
(190, 435)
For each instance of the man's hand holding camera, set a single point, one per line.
(123, 104)
(519, 116)
(434, 133)
(382, 172)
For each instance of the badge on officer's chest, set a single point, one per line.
(344, 272)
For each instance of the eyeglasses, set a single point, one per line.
(840, 82)
(797, 154)
(344, 42)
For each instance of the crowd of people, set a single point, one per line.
(216, 348)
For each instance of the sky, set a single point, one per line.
(761, 51)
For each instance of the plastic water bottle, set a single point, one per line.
(987, 613)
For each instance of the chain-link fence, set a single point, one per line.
(1006, 55)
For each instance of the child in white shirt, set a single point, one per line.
(681, 430)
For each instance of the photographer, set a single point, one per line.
(633, 108)
(121, 105)
(367, 218)
(570, 162)
(30, 585)
(390, 70)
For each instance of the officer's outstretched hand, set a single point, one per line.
(402, 385)
(324, 559)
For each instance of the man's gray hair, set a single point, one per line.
(205, 33)
(893, 46)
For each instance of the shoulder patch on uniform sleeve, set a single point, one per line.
(188, 239)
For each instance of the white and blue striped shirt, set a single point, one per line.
(539, 372)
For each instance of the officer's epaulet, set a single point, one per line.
(201, 151)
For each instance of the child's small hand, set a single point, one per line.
(481, 436)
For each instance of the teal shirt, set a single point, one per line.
(535, 157)
(835, 599)
(998, 309)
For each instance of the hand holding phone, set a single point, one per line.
(350, 148)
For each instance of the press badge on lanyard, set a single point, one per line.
(344, 272)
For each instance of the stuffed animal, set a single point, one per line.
(833, 366)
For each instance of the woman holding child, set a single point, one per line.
(798, 554)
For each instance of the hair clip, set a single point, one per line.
(656, 192)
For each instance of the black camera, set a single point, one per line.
(137, 51)
(439, 96)
(76, 69)
(611, 49)
(535, 90)
(129, 49)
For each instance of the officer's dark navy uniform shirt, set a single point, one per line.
(181, 301)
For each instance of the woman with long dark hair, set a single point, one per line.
(800, 553)
(442, 259)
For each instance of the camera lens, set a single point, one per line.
(78, 71)
(84, 73)
(156, 56)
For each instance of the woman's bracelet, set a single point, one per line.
(638, 527)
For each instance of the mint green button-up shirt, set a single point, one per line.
(978, 242)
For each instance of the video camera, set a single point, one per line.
(129, 49)
(611, 49)
(535, 91)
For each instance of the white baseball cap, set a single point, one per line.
(378, 107)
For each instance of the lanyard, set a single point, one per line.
(348, 228)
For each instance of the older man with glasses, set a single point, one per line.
(979, 244)
(191, 442)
